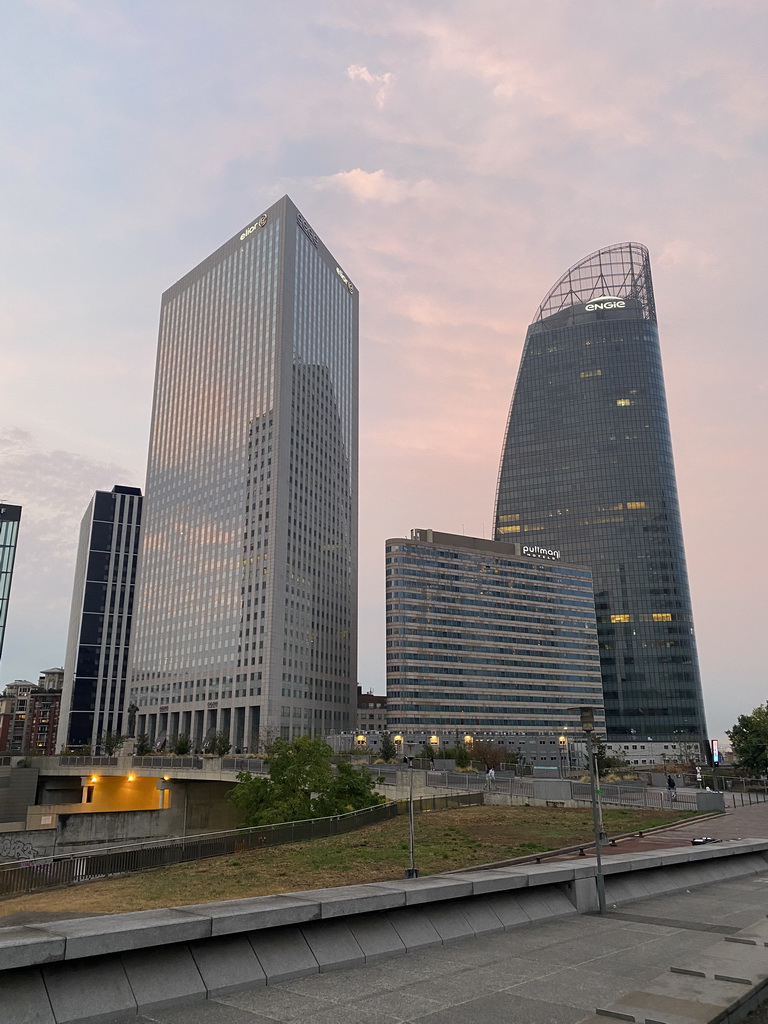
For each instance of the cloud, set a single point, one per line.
(359, 73)
(376, 186)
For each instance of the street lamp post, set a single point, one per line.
(588, 725)
(412, 871)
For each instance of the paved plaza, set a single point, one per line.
(555, 972)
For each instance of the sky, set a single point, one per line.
(456, 157)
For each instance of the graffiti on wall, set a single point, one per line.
(18, 849)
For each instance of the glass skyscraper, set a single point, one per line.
(587, 468)
(486, 640)
(98, 642)
(246, 616)
(10, 517)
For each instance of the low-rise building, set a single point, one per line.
(371, 712)
(487, 638)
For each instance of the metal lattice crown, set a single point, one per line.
(622, 270)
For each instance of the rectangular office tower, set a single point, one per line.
(10, 517)
(247, 607)
(96, 663)
(487, 639)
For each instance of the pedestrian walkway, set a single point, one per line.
(555, 972)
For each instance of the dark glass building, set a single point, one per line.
(96, 664)
(10, 517)
(587, 468)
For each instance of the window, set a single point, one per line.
(619, 618)
(635, 504)
(623, 401)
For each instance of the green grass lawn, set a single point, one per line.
(445, 840)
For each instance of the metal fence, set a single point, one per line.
(744, 799)
(254, 765)
(86, 760)
(479, 783)
(47, 872)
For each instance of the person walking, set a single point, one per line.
(490, 775)
(671, 788)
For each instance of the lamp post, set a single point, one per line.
(412, 871)
(588, 725)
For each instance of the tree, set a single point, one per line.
(183, 744)
(490, 754)
(607, 763)
(301, 785)
(143, 746)
(749, 739)
(220, 745)
(462, 756)
(112, 743)
(387, 750)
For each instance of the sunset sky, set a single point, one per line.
(456, 157)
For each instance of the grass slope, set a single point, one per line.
(444, 840)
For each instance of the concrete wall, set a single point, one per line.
(18, 787)
(121, 965)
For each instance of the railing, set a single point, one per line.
(76, 760)
(744, 799)
(626, 796)
(158, 761)
(478, 783)
(254, 765)
(47, 872)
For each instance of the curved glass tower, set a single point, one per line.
(587, 469)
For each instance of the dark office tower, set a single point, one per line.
(587, 468)
(10, 517)
(96, 664)
(247, 603)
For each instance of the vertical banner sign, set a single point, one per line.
(715, 753)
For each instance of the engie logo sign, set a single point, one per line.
(605, 302)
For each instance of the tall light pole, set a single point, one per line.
(588, 725)
(412, 871)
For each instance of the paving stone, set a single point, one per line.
(333, 945)
(159, 977)
(676, 997)
(283, 953)
(24, 947)
(448, 921)
(88, 990)
(276, 1002)
(24, 999)
(114, 933)
(230, 916)
(414, 928)
(376, 936)
(226, 964)
(208, 1012)
(506, 1007)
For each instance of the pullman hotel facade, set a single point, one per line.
(487, 639)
